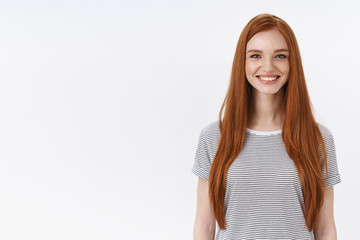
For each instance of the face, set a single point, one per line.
(267, 62)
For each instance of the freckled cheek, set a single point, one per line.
(251, 68)
(284, 68)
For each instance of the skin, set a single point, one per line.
(205, 222)
(325, 227)
(266, 115)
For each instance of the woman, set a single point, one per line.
(267, 169)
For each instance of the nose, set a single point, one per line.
(268, 65)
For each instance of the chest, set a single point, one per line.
(263, 166)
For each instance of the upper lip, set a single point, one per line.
(267, 75)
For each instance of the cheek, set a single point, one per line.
(250, 68)
(284, 67)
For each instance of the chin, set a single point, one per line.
(268, 90)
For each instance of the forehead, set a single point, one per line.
(267, 40)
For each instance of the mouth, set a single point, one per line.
(268, 79)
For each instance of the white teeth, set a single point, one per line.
(268, 78)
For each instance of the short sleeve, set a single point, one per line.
(333, 177)
(202, 163)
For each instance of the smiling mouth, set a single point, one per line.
(268, 78)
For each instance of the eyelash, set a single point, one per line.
(283, 56)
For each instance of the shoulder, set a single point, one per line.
(210, 134)
(211, 129)
(327, 136)
(325, 131)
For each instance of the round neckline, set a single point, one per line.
(257, 132)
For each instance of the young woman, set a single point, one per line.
(267, 168)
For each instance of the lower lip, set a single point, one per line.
(268, 82)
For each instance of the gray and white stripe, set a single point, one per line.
(263, 198)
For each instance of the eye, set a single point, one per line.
(255, 56)
(280, 56)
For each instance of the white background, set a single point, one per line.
(102, 103)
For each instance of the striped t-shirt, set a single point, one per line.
(263, 198)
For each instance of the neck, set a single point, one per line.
(266, 112)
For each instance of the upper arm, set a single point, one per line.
(204, 215)
(205, 222)
(333, 176)
(325, 222)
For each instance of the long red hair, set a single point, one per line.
(300, 133)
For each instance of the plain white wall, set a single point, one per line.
(102, 102)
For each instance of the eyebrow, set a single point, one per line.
(259, 51)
